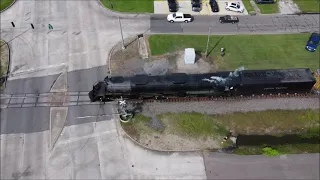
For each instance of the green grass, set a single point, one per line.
(264, 122)
(137, 6)
(5, 3)
(279, 149)
(192, 124)
(269, 8)
(137, 126)
(272, 122)
(3, 59)
(250, 51)
(248, 6)
(308, 5)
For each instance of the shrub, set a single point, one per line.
(268, 151)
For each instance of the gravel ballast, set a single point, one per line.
(222, 107)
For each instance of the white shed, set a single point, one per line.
(189, 56)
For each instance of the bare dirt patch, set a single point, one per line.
(167, 141)
(128, 62)
(170, 138)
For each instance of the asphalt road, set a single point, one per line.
(37, 119)
(91, 147)
(266, 24)
(79, 80)
(223, 166)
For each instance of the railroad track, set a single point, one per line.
(81, 98)
(260, 96)
(45, 99)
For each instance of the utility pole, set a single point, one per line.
(111, 5)
(208, 41)
(123, 47)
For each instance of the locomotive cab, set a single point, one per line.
(98, 92)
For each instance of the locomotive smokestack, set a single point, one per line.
(223, 81)
(236, 72)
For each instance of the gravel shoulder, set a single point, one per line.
(128, 62)
(223, 107)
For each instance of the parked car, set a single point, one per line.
(179, 17)
(173, 5)
(236, 7)
(196, 5)
(313, 42)
(214, 6)
(265, 1)
(229, 19)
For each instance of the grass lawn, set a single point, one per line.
(250, 51)
(264, 122)
(268, 8)
(281, 149)
(272, 122)
(4, 4)
(3, 59)
(308, 5)
(137, 126)
(138, 6)
(248, 5)
(197, 126)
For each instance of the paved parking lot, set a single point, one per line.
(161, 7)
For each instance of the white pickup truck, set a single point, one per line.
(179, 17)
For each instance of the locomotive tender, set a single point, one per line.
(226, 83)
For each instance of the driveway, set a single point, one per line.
(161, 7)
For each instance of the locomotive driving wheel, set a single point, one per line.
(124, 113)
(126, 117)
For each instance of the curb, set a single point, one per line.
(157, 150)
(112, 50)
(109, 56)
(9, 62)
(8, 6)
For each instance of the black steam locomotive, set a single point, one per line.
(239, 82)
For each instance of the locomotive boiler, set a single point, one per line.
(219, 84)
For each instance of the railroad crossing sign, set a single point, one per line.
(50, 26)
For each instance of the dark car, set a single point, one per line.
(313, 42)
(229, 19)
(214, 5)
(173, 5)
(265, 1)
(196, 5)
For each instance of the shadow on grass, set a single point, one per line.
(215, 45)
